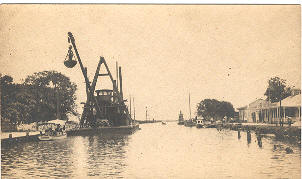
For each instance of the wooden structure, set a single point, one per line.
(101, 104)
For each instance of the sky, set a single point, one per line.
(225, 52)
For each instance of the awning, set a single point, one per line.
(57, 121)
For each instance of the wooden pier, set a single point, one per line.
(18, 137)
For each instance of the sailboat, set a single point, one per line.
(190, 122)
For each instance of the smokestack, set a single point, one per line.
(114, 95)
(121, 82)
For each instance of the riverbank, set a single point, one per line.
(289, 133)
(16, 137)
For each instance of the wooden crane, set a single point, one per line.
(104, 105)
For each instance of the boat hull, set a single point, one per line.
(50, 138)
(180, 123)
(189, 124)
(210, 126)
(103, 130)
(199, 126)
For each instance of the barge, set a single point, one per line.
(105, 111)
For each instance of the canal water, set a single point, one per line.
(156, 151)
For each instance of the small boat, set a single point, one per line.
(180, 119)
(199, 123)
(50, 134)
(163, 123)
(52, 137)
(209, 124)
(189, 123)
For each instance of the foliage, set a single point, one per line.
(37, 98)
(52, 89)
(17, 102)
(277, 90)
(212, 108)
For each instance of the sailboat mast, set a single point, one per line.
(133, 109)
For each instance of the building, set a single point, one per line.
(253, 112)
(266, 112)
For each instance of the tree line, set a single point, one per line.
(214, 109)
(43, 96)
(277, 90)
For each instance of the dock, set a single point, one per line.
(18, 137)
(290, 133)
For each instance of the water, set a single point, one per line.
(156, 151)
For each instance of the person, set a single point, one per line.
(51, 132)
(289, 120)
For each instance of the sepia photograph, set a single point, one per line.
(150, 91)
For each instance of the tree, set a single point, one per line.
(53, 92)
(212, 108)
(17, 103)
(277, 90)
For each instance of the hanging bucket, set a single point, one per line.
(70, 62)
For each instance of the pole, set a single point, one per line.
(0, 97)
(71, 38)
(116, 68)
(190, 105)
(146, 113)
(72, 41)
(130, 107)
(280, 118)
(58, 103)
(133, 109)
(121, 82)
(269, 102)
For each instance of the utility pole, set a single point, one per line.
(146, 113)
(190, 105)
(116, 68)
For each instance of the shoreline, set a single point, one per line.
(285, 133)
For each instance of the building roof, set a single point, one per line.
(242, 108)
(292, 101)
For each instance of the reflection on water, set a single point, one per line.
(156, 151)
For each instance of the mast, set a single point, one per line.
(121, 82)
(133, 109)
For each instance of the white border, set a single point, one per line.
(154, 1)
